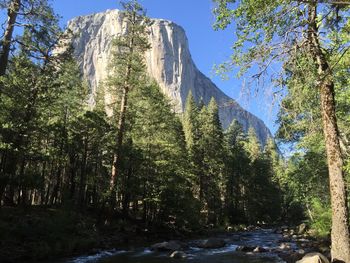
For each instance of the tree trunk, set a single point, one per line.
(119, 142)
(340, 227)
(340, 249)
(7, 38)
(126, 194)
(82, 186)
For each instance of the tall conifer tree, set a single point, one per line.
(127, 71)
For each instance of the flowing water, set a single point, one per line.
(264, 238)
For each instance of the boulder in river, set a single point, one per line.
(285, 246)
(313, 258)
(301, 229)
(290, 257)
(260, 250)
(211, 243)
(178, 255)
(245, 248)
(167, 246)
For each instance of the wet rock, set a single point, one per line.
(304, 240)
(313, 258)
(290, 257)
(167, 246)
(301, 228)
(285, 246)
(301, 251)
(286, 235)
(245, 249)
(211, 243)
(178, 254)
(260, 250)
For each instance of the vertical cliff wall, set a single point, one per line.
(169, 62)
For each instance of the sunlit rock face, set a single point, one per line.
(168, 61)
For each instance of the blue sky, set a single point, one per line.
(207, 46)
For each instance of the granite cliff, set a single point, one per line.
(169, 62)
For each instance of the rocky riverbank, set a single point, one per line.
(292, 244)
(254, 244)
(40, 234)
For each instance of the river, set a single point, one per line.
(263, 237)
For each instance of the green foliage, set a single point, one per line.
(321, 217)
(57, 150)
(301, 125)
(212, 160)
(127, 68)
(237, 172)
(157, 134)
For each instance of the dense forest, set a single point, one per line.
(148, 164)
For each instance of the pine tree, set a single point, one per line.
(127, 70)
(191, 126)
(161, 179)
(236, 167)
(190, 122)
(36, 17)
(212, 147)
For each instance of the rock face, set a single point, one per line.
(169, 62)
(313, 258)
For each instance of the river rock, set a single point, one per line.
(285, 246)
(167, 246)
(313, 258)
(260, 250)
(211, 243)
(301, 229)
(178, 254)
(245, 248)
(290, 257)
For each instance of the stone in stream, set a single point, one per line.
(211, 243)
(313, 258)
(260, 250)
(290, 257)
(178, 255)
(245, 248)
(301, 229)
(285, 246)
(167, 246)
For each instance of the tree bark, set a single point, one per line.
(340, 249)
(119, 142)
(83, 176)
(340, 227)
(121, 124)
(7, 39)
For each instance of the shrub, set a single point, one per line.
(321, 217)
